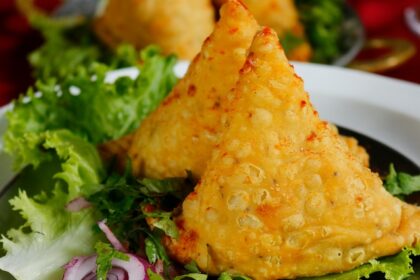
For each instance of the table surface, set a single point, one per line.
(382, 18)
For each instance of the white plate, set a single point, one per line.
(382, 108)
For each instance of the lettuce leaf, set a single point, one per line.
(51, 235)
(88, 106)
(70, 43)
(400, 183)
(64, 50)
(54, 239)
(193, 276)
(395, 267)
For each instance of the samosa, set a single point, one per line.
(282, 196)
(178, 27)
(283, 17)
(183, 131)
(181, 134)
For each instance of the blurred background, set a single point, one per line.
(373, 35)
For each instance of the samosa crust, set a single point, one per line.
(283, 17)
(282, 196)
(183, 131)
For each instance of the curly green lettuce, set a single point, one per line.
(70, 44)
(89, 106)
(51, 235)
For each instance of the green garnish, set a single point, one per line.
(126, 203)
(401, 184)
(323, 27)
(105, 255)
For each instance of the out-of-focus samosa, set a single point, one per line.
(282, 196)
(178, 27)
(283, 17)
(181, 134)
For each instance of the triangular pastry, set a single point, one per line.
(283, 17)
(282, 196)
(178, 27)
(182, 132)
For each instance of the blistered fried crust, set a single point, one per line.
(358, 151)
(282, 196)
(353, 146)
(283, 17)
(182, 133)
(177, 26)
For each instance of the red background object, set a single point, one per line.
(382, 18)
(385, 19)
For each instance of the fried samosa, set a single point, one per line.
(178, 27)
(183, 131)
(283, 17)
(282, 196)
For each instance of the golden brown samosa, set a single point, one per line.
(283, 17)
(282, 196)
(183, 131)
(177, 26)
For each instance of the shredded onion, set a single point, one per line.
(77, 204)
(111, 237)
(84, 268)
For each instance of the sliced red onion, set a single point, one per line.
(111, 237)
(84, 268)
(80, 268)
(78, 204)
(117, 273)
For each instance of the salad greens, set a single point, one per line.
(70, 45)
(106, 254)
(50, 231)
(72, 109)
(401, 184)
(127, 202)
(323, 27)
(78, 102)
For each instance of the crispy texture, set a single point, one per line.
(282, 16)
(352, 144)
(282, 196)
(357, 151)
(177, 26)
(181, 134)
